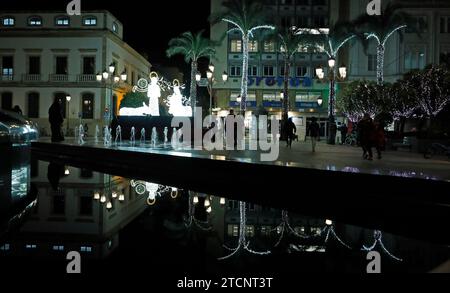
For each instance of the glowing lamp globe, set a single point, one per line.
(332, 62)
(225, 76)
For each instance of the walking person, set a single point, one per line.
(366, 132)
(380, 138)
(17, 110)
(56, 120)
(314, 133)
(291, 130)
(344, 131)
(338, 134)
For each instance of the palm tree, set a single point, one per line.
(246, 17)
(290, 42)
(381, 28)
(331, 41)
(192, 47)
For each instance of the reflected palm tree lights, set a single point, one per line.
(243, 243)
(191, 221)
(378, 241)
(329, 231)
(286, 228)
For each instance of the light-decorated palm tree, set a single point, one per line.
(192, 47)
(289, 43)
(382, 28)
(246, 17)
(330, 41)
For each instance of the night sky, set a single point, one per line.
(145, 29)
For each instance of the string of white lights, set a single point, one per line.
(378, 235)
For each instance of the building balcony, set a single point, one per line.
(59, 78)
(31, 77)
(7, 78)
(86, 78)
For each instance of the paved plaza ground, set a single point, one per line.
(327, 157)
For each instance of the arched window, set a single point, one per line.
(87, 100)
(90, 21)
(8, 21)
(35, 21)
(33, 105)
(62, 21)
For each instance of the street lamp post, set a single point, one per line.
(211, 81)
(68, 98)
(109, 78)
(333, 78)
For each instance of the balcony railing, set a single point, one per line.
(59, 77)
(7, 78)
(32, 77)
(86, 78)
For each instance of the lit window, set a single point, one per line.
(62, 21)
(30, 246)
(35, 21)
(250, 231)
(236, 46)
(269, 46)
(5, 247)
(86, 249)
(90, 21)
(233, 230)
(8, 21)
(58, 248)
(253, 46)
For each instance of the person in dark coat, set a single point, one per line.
(344, 131)
(314, 133)
(291, 130)
(366, 133)
(56, 120)
(379, 138)
(17, 110)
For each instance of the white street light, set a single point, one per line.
(97, 195)
(209, 74)
(99, 77)
(105, 74)
(112, 68)
(198, 76)
(319, 72)
(331, 62)
(211, 67)
(116, 79)
(343, 72)
(320, 101)
(68, 98)
(124, 76)
(225, 76)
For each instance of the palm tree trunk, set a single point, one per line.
(244, 84)
(380, 64)
(285, 116)
(193, 92)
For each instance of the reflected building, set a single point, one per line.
(69, 218)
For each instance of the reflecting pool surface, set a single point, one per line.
(117, 223)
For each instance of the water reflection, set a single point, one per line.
(106, 217)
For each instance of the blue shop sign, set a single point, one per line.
(272, 104)
(249, 104)
(294, 82)
(307, 105)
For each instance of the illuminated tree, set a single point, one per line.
(361, 97)
(192, 47)
(381, 28)
(402, 102)
(246, 17)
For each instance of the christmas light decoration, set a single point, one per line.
(179, 106)
(378, 235)
(247, 34)
(285, 227)
(330, 231)
(243, 243)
